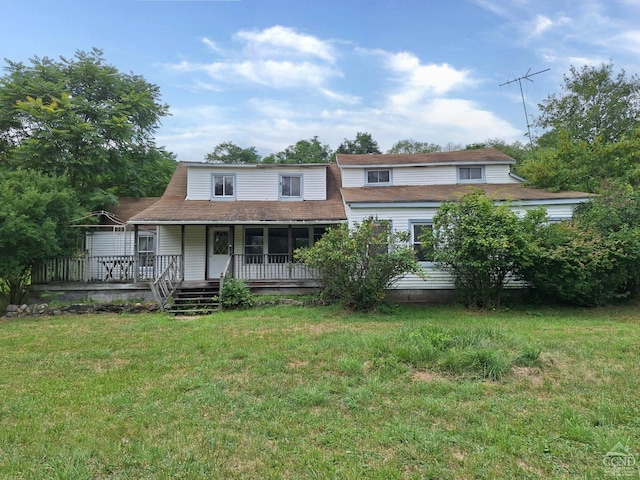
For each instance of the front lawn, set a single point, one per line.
(295, 392)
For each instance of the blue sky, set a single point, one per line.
(267, 73)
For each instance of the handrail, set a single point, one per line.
(166, 284)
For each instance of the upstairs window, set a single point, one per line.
(291, 186)
(378, 177)
(470, 174)
(224, 186)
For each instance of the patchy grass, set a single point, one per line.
(299, 392)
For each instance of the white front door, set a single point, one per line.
(218, 252)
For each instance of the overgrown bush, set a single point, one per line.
(579, 266)
(482, 245)
(355, 266)
(235, 294)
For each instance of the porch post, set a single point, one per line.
(182, 230)
(232, 243)
(136, 273)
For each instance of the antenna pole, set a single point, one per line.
(526, 76)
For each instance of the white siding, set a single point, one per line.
(257, 184)
(499, 174)
(113, 242)
(436, 175)
(195, 260)
(169, 240)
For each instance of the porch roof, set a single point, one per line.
(443, 193)
(172, 208)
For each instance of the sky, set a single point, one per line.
(267, 73)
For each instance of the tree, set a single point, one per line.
(363, 143)
(83, 119)
(410, 145)
(516, 150)
(481, 245)
(304, 151)
(578, 165)
(35, 214)
(355, 267)
(595, 104)
(229, 152)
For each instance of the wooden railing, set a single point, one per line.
(104, 268)
(167, 282)
(269, 267)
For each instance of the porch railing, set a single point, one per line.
(148, 268)
(103, 268)
(167, 282)
(269, 267)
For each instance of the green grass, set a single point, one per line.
(300, 392)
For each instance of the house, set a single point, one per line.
(245, 221)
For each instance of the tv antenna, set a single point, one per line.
(526, 76)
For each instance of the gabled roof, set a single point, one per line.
(442, 193)
(173, 208)
(479, 156)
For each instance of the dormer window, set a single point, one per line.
(471, 175)
(378, 177)
(223, 187)
(291, 187)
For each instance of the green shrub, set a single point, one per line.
(355, 266)
(235, 294)
(481, 245)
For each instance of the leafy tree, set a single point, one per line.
(579, 165)
(355, 267)
(481, 245)
(516, 150)
(304, 151)
(410, 145)
(363, 143)
(35, 214)
(83, 119)
(596, 104)
(229, 152)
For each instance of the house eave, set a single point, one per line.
(237, 222)
(437, 204)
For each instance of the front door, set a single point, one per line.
(218, 252)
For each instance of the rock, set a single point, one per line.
(12, 308)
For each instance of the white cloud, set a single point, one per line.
(340, 97)
(280, 40)
(212, 45)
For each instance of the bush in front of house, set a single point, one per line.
(482, 245)
(356, 266)
(235, 294)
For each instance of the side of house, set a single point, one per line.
(407, 190)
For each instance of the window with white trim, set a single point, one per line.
(223, 186)
(291, 186)
(378, 177)
(418, 230)
(471, 174)
(146, 250)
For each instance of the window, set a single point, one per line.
(470, 174)
(417, 231)
(253, 245)
(381, 230)
(223, 186)
(291, 186)
(277, 244)
(378, 177)
(146, 250)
